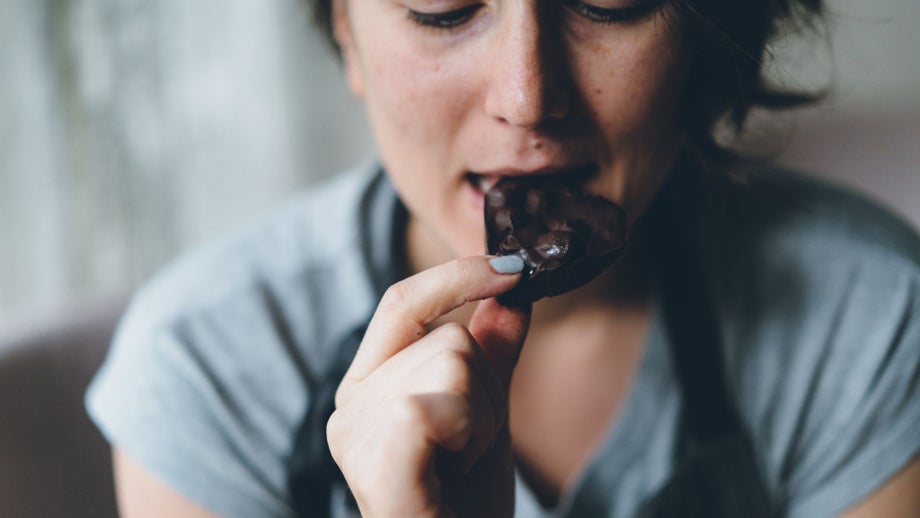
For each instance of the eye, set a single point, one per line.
(445, 20)
(627, 14)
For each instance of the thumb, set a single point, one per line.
(500, 332)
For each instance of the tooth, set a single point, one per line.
(484, 184)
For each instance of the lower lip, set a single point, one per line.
(477, 195)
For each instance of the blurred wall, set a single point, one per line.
(866, 134)
(131, 130)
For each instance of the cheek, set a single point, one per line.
(413, 103)
(632, 85)
(637, 100)
(631, 90)
(416, 110)
(392, 93)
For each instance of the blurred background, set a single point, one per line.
(132, 130)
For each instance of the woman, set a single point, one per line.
(754, 352)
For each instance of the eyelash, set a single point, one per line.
(611, 16)
(444, 21)
(453, 19)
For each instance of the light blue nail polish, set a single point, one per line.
(507, 264)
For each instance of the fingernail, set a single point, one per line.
(507, 264)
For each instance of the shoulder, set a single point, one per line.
(791, 251)
(786, 215)
(284, 267)
(818, 290)
(793, 261)
(216, 359)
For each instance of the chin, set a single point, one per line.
(467, 244)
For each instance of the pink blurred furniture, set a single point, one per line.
(53, 461)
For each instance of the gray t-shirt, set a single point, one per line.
(817, 294)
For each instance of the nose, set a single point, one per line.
(528, 86)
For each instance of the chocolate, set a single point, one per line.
(565, 236)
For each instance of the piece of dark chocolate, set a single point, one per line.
(565, 236)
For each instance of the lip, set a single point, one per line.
(574, 175)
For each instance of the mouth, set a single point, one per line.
(577, 176)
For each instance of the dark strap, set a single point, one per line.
(716, 470)
(693, 335)
(718, 480)
(312, 473)
(314, 479)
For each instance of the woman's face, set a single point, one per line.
(461, 92)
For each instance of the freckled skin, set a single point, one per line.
(512, 89)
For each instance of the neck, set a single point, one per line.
(423, 251)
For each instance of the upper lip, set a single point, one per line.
(572, 175)
(541, 171)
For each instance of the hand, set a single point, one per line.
(420, 427)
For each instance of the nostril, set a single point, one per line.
(559, 103)
(528, 102)
(532, 113)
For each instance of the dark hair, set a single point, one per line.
(728, 39)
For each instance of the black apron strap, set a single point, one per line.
(316, 484)
(716, 470)
(313, 476)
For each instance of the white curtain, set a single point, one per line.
(132, 129)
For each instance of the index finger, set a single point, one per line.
(410, 305)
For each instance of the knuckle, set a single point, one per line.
(395, 297)
(347, 455)
(455, 337)
(399, 301)
(406, 411)
(334, 434)
(454, 370)
(342, 393)
(362, 459)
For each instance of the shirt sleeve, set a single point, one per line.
(857, 418)
(187, 397)
(212, 371)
